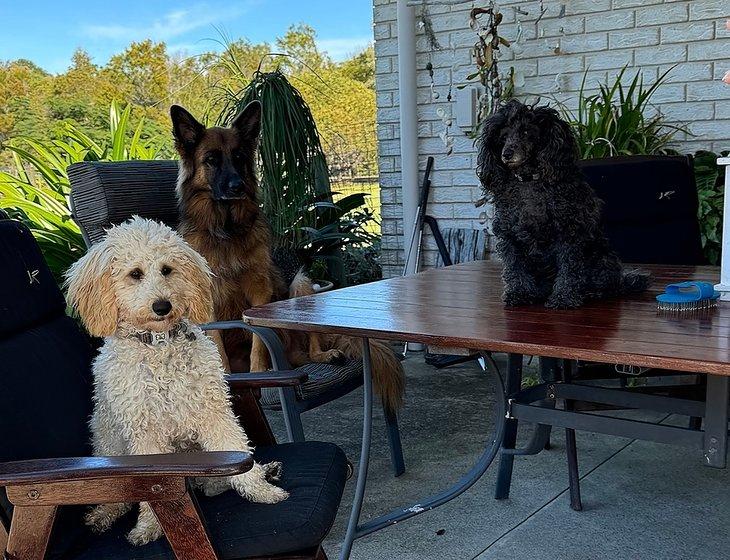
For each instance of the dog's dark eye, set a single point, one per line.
(211, 158)
(136, 274)
(165, 270)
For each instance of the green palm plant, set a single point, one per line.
(306, 220)
(37, 188)
(294, 172)
(619, 119)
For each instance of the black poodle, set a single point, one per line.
(547, 218)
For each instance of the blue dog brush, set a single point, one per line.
(688, 296)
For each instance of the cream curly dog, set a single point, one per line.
(159, 383)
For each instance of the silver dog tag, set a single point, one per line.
(159, 338)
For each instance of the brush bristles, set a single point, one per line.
(687, 307)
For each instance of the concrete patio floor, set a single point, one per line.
(641, 500)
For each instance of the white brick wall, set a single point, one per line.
(598, 36)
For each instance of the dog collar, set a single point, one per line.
(154, 338)
(522, 179)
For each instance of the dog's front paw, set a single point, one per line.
(334, 356)
(269, 494)
(561, 300)
(144, 533)
(272, 471)
(100, 518)
(255, 486)
(515, 298)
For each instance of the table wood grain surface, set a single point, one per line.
(459, 306)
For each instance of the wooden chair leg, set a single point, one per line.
(3, 537)
(184, 529)
(29, 532)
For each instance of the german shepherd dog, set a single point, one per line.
(220, 216)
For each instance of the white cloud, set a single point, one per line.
(170, 26)
(339, 49)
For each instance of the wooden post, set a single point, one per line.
(724, 286)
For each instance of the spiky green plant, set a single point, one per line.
(295, 183)
(619, 119)
(36, 191)
(294, 173)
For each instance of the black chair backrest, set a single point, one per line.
(45, 359)
(650, 207)
(107, 193)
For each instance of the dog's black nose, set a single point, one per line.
(162, 307)
(507, 153)
(235, 185)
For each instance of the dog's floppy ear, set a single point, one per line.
(90, 291)
(195, 269)
(489, 162)
(248, 121)
(559, 150)
(186, 130)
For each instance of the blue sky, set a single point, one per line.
(47, 32)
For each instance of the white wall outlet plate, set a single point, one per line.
(466, 107)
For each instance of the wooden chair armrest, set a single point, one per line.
(260, 380)
(214, 463)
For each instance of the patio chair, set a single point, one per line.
(47, 474)
(103, 194)
(649, 216)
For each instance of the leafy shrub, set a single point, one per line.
(36, 191)
(362, 264)
(710, 191)
(619, 120)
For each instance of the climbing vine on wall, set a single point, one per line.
(486, 52)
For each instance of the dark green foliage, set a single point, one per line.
(362, 264)
(710, 191)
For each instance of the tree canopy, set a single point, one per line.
(36, 104)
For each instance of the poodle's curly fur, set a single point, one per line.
(547, 218)
(164, 398)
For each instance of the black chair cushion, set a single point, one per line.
(108, 193)
(314, 474)
(45, 359)
(650, 207)
(45, 392)
(29, 294)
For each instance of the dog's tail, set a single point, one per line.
(634, 281)
(301, 285)
(389, 380)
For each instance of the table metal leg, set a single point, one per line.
(356, 531)
(716, 416)
(571, 448)
(506, 460)
(362, 468)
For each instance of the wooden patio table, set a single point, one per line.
(460, 307)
